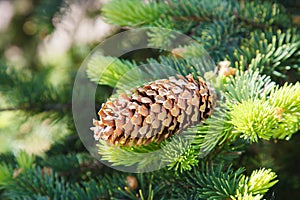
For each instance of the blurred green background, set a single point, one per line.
(37, 36)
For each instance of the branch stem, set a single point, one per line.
(46, 107)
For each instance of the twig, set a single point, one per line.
(237, 16)
(9, 109)
(47, 107)
(249, 22)
(193, 18)
(216, 151)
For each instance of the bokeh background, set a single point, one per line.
(36, 35)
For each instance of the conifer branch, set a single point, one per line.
(260, 48)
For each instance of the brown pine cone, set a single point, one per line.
(155, 111)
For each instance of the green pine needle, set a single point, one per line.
(253, 119)
(106, 70)
(142, 157)
(25, 160)
(286, 103)
(180, 155)
(247, 85)
(6, 175)
(256, 185)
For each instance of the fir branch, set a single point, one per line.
(125, 75)
(286, 103)
(35, 182)
(277, 116)
(131, 157)
(271, 52)
(147, 187)
(24, 160)
(91, 190)
(6, 174)
(194, 10)
(71, 164)
(106, 70)
(131, 13)
(180, 154)
(263, 14)
(197, 63)
(32, 93)
(253, 119)
(254, 108)
(212, 133)
(191, 11)
(249, 22)
(256, 185)
(247, 85)
(211, 18)
(212, 182)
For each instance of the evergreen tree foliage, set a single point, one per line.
(257, 50)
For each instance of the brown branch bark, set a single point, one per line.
(47, 107)
(210, 18)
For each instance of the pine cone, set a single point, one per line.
(155, 111)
